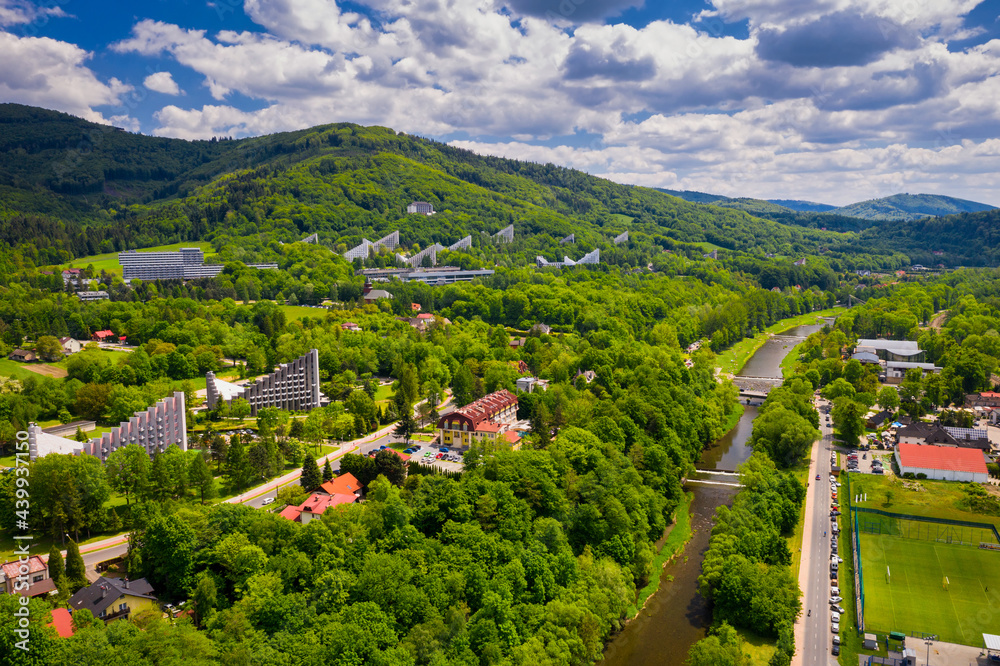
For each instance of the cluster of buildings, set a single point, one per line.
(294, 386)
(106, 598)
(895, 358)
(187, 263)
(366, 248)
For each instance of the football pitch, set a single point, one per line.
(913, 598)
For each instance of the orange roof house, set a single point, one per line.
(62, 622)
(345, 484)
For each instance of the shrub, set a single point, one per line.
(921, 476)
(909, 475)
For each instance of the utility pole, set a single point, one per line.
(928, 641)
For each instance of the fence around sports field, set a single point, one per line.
(859, 587)
(924, 528)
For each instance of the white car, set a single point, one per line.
(835, 617)
(267, 500)
(836, 627)
(835, 600)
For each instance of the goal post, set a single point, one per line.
(944, 583)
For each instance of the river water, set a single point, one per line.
(677, 616)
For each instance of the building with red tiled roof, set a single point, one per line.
(481, 420)
(315, 505)
(62, 622)
(984, 399)
(415, 307)
(345, 484)
(33, 572)
(946, 463)
(101, 336)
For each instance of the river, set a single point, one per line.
(677, 616)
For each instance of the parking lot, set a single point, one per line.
(429, 454)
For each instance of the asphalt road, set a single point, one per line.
(818, 639)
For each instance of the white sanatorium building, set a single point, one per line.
(154, 429)
(293, 386)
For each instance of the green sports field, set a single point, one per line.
(914, 599)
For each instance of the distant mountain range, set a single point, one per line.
(901, 207)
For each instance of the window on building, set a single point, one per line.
(38, 578)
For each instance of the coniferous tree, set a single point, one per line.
(406, 426)
(76, 570)
(327, 471)
(311, 478)
(57, 570)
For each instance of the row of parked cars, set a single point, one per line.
(835, 608)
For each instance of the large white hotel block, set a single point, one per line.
(154, 429)
(294, 386)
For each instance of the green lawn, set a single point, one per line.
(934, 499)
(914, 599)
(296, 312)
(14, 370)
(383, 392)
(109, 261)
(734, 358)
(622, 219)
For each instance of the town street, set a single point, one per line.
(813, 634)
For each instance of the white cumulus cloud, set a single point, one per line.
(162, 82)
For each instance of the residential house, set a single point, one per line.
(115, 598)
(529, 384)
(517, 342)
(541, 329)
(70, 346)
(71, 275)
(588, 375)
(415, 307)
(922, 433)
(29, 578)
(351, 327)
(482, 420)
(521, 367)
(345, 484)
(315, 505)
(878, 420)
(23, 355)
(103, 336)
(801, 262)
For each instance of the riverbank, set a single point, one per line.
(733, 359)
(678, 534)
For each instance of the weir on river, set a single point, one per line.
(677, 616)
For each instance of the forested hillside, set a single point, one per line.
(72, 188)
(906, 207)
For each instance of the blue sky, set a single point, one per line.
(830, 100)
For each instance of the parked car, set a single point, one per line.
(835, 617)
(438, 456)
(443, 449)
(836, 640)
(878, 470)
(835, 627)
(267, 500)
(835, 600)
(835, 650)
(839, 609)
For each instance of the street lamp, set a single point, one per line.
(928, 641)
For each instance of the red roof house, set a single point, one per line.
(415, 307)
(62, 621)
(101, 336)
(948, 463)
(315, 505)
(345, 484)
(35, 574)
